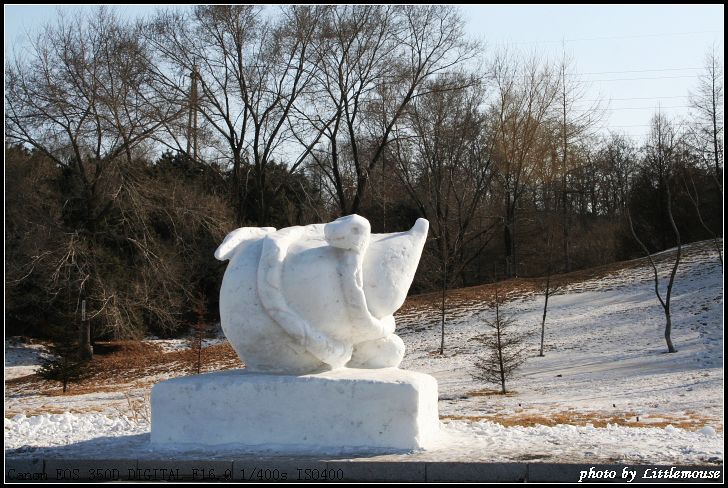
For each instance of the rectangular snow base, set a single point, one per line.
(341, 409)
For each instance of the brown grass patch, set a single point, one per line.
(50, 409)
(489, 392)
(690, 421)
(130, 362)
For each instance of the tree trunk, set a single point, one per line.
(86, 350)
(668, 331)
(500, 346)
(566, 223)
(442, 304)
(545, 307)
(715, 131)
(508, 238)
(668, 294)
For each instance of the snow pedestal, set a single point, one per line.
(339, 409)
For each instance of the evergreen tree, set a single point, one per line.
(504, 350)
(65, 365)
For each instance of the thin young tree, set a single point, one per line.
(504, 349)
(200, 331)
(659, 156)
(549, 286)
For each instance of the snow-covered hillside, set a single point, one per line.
(605, 350)
(606, 389)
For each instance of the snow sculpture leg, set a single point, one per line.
(387, 352)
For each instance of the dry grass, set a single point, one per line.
(119, 363)
(50, 409)
(490, 392)
(690, 421)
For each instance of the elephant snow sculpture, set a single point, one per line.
(311, 298)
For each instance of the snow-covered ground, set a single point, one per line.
(93, 436)
(605, 391)
(605, 349)
(21, 357)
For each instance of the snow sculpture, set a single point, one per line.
(318, 297)
(309, 310)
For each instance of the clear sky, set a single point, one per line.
(633, 56)
(651, 54)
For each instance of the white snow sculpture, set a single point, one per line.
(309, 310)
(318, 297)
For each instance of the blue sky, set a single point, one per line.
(634, 56)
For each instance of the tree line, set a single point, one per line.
(133, 147)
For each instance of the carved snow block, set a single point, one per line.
(334, 410)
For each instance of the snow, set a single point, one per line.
(92, 435)
(22, 358)
(173, 345)
(605, 359)
(387, 407)
(605, 349)
(66, 428)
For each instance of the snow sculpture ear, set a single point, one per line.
(350, 232)
(230, 244)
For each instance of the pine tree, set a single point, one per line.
(504, 350)
(65, 364)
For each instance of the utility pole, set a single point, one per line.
(192, 116)
(86, 350)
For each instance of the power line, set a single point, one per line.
(636, 36)
(634, 98)
(635, 71)
(632, 79)
(676, 124)
(666, 34)
(620, 126)
(639, 108)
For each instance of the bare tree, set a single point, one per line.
(707, 107)
(525, 95)
(354, 60)
(84, 98)
(574, 123)
(250, 70)
(376, 61)
(691, 190)
(504, 348)
(660, 157)
(616, 162)
(443, 159)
